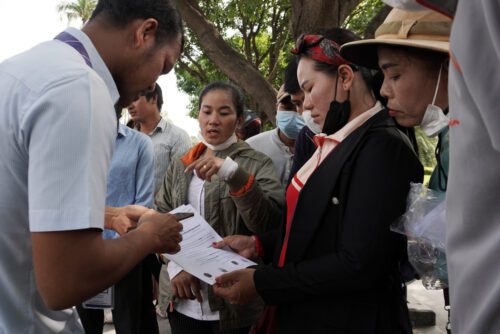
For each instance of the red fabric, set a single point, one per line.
(245, 188)
(267, 323)
(259, 248)
(455, 63)
(292, 196)
(193, 154)
(320, 49)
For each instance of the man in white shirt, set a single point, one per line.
(57, 131)
(168, 140)
(278, 144)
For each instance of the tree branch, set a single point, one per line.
(376, 21)
(197, 65)
(192, 72)
(227, 59)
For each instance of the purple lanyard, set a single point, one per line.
(75, 44)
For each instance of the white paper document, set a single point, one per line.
(197, 256)
(101, 301)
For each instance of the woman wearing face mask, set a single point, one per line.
(278, 144)
(336, 266)
(236, 190)
(415, 67)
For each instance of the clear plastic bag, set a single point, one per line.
(424, 225)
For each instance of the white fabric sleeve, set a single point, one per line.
(69, 134)
(227, 169)
(173, 269)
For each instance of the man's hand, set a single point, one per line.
(186, 286)
(122, 224)
(236, 287)
(241, 244)
(164, 229)
(206, 166)
(133, 212)
(123, 219)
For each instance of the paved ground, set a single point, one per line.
(418, 298)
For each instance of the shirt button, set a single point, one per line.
(335, 201)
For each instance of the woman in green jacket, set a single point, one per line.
(236, 190)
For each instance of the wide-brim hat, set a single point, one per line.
(424, 29)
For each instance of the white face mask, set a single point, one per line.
(222, 146)
(434, 119)
(314, 127)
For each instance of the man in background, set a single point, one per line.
(168, 140)
(278, 144)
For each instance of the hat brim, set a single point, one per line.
(364, 52)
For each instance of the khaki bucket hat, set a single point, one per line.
(424, 29)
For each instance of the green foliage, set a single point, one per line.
(358, 20)
(258, 30)
(81, 9)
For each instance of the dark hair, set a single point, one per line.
(236, 95)
(287, 103)
(291, 83)
(159, 96)
(148, 95)
(122, 12)
(251, 125)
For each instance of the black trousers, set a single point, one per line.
(134, 312)
(181, 324)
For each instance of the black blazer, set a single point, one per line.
(341, 272)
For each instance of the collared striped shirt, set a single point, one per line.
(169, 141)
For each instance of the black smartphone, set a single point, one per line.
(183, 215)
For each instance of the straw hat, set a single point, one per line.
(424, 29)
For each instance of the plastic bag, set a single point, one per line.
(424, 225)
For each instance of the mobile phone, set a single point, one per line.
(183, 215)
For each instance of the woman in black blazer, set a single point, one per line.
(334, 264)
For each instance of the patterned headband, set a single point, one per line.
(320, 49)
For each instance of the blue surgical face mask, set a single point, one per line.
(290, 123)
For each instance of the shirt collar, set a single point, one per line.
(122, 130)
(355, 123)
(162, 125)
(97, 62)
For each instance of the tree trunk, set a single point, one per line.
(312, 16)
(233, 64)
(376, 22)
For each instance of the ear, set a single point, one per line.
(346, 76)
(145, 33)
(239, 121)
(154, 99)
